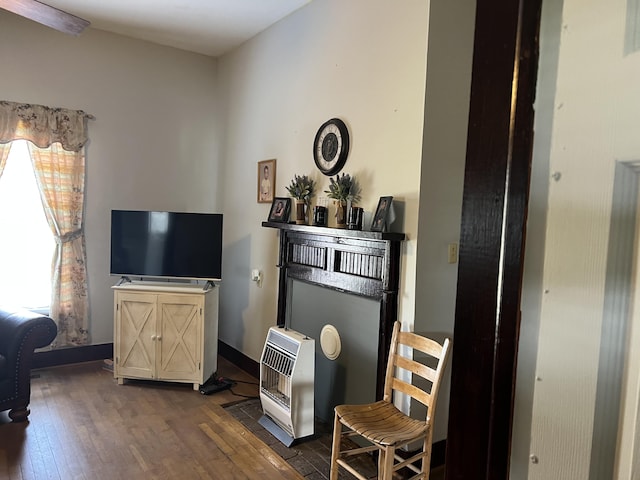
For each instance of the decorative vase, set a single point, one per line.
(341, 215)
(301, 218)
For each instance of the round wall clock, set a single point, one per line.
(331, 146)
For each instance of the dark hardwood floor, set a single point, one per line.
(84, 426)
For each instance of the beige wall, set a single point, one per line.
(153, 144)
(362, 61)
(444, 149)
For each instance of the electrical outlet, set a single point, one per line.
(256, 276)
(452, 254)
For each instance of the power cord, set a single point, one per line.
(216, 384)
(243, 396)
(240, 394)
(242, 381)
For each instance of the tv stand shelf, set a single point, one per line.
(350, 261)
(165, 331)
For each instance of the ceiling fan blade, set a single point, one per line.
(46, 15)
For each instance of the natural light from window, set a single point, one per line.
(26, 242)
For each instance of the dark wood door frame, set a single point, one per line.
(494, 211)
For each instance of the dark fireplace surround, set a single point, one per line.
(350, 261)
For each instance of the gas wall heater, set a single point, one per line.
(287, 371)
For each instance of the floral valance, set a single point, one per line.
(43, 125)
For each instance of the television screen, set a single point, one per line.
(166, 244)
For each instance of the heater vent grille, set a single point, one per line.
(284, 342)
(277, 361)
(277, 368)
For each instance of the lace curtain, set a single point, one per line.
(57, 139)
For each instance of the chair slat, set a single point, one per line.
(418, 342)
(415, 367)
(411, 390)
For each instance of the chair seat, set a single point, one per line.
(381, 422)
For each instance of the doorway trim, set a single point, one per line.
(491, 255)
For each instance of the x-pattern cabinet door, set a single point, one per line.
(179, 348)
(135, 331)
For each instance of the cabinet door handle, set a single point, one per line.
(153, 337)
(159, 337)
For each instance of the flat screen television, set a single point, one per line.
(166, 245)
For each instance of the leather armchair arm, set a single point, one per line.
(22, 330)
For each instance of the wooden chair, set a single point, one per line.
(381, 424)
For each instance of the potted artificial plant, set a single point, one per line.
(301, 189)
(343, 190)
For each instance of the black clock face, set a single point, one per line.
(331, 146)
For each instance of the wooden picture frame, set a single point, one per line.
(266, 180)
(280, 208)
(379, 222)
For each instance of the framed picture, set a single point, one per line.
(280, 209)
(266, 180)
(380, 218)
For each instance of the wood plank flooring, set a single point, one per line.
(85, 426)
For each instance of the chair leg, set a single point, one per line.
(426, 457)
(19, 414)
(335, 447)
(388, 458)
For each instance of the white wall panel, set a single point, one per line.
(595, 100)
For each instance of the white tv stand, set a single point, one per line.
(165, 331)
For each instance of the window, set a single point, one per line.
(26, 241)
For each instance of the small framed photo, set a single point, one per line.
(380, 218)
(280, 210)
(266, 180)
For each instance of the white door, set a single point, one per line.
(578, 296)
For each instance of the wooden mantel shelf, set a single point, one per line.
(336, 232)
(351, 261)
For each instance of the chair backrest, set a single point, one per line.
(401, 369)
